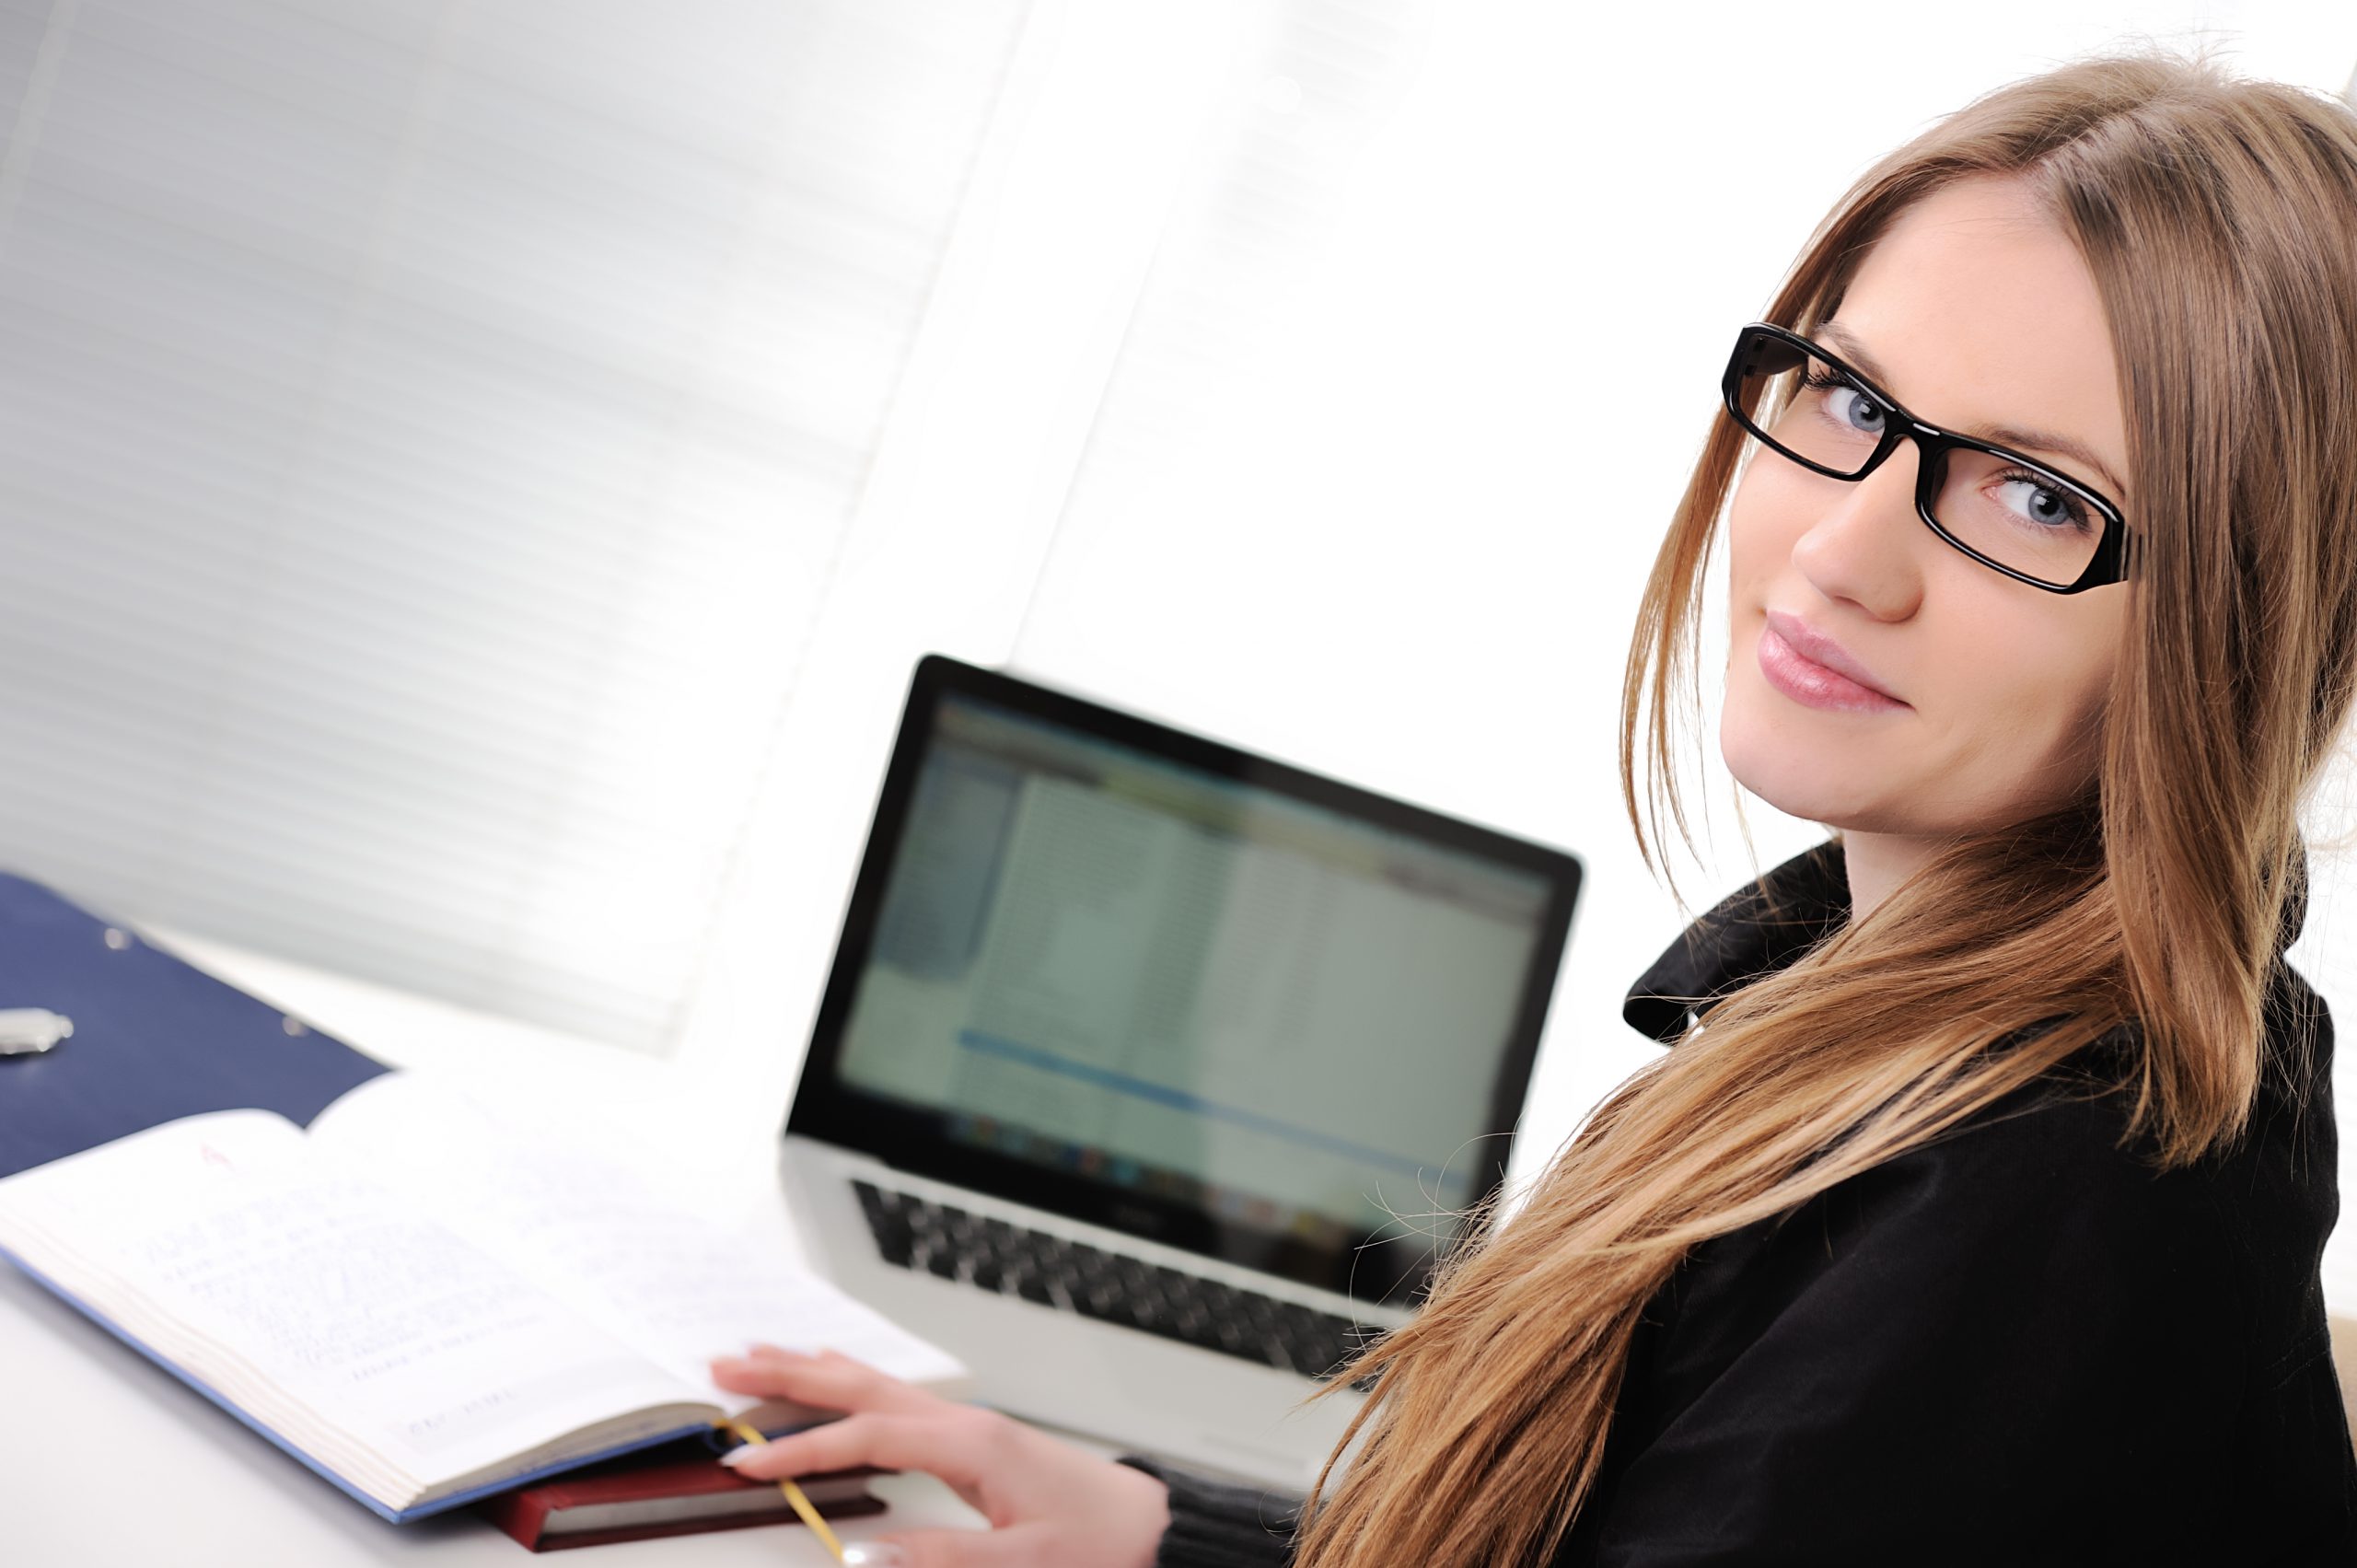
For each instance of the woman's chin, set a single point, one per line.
(1827, 809)
(1814, 786)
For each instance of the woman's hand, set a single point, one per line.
(1049, 1504)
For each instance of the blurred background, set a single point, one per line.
(475, 476)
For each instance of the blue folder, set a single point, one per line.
(154, 1040)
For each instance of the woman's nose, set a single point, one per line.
(1868, 545)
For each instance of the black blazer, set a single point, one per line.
(2014, 1346)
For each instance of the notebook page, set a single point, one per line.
(300, 1291)
(588, 1226)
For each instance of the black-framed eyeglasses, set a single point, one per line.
(2010, 512)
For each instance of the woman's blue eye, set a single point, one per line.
(2041, 504)
(1847, 406)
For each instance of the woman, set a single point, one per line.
(1974, 1217)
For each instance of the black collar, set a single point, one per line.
(1770, 922)
(1767, 923)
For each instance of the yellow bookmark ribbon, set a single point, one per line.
(802, 1504)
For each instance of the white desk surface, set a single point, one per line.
(105, 1458)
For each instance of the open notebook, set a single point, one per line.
(420, 1299)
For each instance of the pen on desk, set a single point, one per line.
(866, 1556)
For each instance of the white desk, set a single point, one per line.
(107, 1459)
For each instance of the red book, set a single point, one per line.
(638, 1497)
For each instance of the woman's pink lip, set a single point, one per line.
(1813, 670)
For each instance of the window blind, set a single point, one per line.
(425, 435)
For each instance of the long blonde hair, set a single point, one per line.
(2219, 219)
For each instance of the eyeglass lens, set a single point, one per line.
(2024, 516)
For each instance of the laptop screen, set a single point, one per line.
(1189, 993)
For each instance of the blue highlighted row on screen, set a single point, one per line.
(1180, 1100)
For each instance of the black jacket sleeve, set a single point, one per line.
(1216, 1524)
(2015, 1345)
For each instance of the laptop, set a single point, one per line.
(1151, 1074)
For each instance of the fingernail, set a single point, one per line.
(874, 1554)
(736, 1457)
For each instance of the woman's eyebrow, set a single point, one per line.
(2047, 441)
(2022, 436)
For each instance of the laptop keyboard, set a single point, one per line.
(990, 1254)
